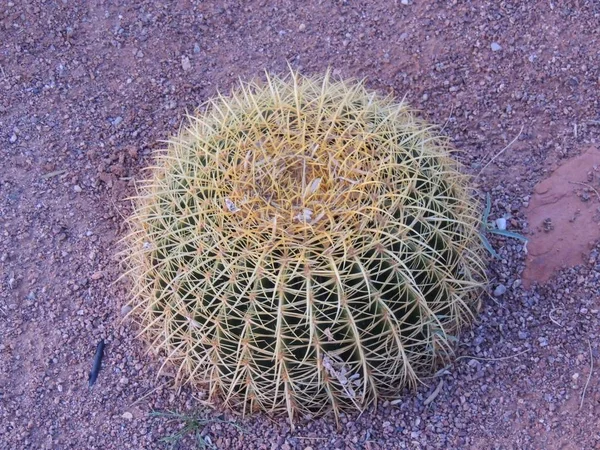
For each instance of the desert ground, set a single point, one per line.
(89, 90)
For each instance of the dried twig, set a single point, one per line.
(434, 394)
(589, 375)
(53, 174)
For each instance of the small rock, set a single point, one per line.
(523, 335)
(405, 2)
(474, 363)
(196, 48)
(496, 47)
(117, 120)
(132, 152)
(185, 63)
(500, 290)
(77, 188)
(302, 27)
(13, 138)
(125, 310)
(97, 275)
(127, 415)
(501, 223)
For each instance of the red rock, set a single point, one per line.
(574, 222)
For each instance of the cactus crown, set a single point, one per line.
(305, 244)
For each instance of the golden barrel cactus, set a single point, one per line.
(305, 244)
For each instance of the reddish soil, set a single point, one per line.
(564, 217)
(88, 90)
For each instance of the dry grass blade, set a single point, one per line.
(589, 375)
(588, 187)
(500, 152)
(150, 392)
(502, 358)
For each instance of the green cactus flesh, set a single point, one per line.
(303, 245)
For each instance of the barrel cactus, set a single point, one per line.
(305, 245)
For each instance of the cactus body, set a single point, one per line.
(305, 244)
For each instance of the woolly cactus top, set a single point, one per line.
(305, 244)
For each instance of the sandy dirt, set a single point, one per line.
(88, 90)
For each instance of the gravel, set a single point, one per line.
(499, 290)
(67, 71)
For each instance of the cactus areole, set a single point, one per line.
(304, 245)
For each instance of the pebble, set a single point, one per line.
(77, 188)
(125, 309)
(496, 47)
(501, 223)
(302, 27)
(523, 335)
(185, 63)
(96, 276)
(127, 415)
(500, 290)
(13, 138)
